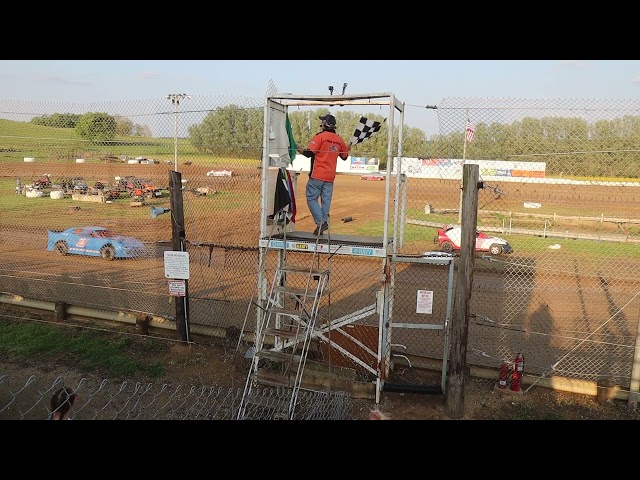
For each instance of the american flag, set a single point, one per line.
(470, 131)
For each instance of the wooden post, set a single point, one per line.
(634, 387)
(460, 319)
(142, 323)
(178, 245)
(61, 311)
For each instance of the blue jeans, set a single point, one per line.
(319, 195)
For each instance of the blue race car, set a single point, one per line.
(94, 242)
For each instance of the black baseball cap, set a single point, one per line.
(329, 119)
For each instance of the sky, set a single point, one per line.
(417, 83)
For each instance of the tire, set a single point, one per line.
(446, 247)
(495, 249)
(108, 252)
(61, 248)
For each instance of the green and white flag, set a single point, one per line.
(292, 142)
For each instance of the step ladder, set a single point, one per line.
(289, 319)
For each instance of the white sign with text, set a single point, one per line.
(425, 301)
(177, 288)
(176, 265)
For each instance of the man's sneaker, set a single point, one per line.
(321, 230)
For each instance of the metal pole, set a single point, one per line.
(175, 99)
(464, 157)
(175, 135)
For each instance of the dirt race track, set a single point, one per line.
(360, 199)
(364, 201)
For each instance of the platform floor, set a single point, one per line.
(376, 242)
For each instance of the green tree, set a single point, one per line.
(414, 143)
(230, 130)
(141, 130)
(306, 124)
(569, 146)
(124, 126)
(97, 127)
(57, 120)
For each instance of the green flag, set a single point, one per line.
(292, 142)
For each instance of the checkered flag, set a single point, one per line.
(364, 129)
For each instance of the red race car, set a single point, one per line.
(448, 241)
(373, 176)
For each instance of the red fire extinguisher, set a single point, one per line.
(518, 372)
(504, 374)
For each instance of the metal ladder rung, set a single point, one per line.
(285, 311)
(298, 292)
(277, 355)
(280, 332)
(299, 269)
(274, 379)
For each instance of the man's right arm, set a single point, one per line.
(344, 154)
(307, 152)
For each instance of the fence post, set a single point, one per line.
(61, 311)
(460, 324)
(178, 245)
(634, 386)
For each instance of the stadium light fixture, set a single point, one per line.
(175, 98)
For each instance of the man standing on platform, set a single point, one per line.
(324, 149)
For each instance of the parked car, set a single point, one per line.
(42, 182)
(94, 242)
(138, 187)
(74, 185)
(373, 176)
(106, 190)
(449, 237)
(220, 173)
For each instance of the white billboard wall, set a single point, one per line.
(448, 168)
(350, 165)
(451, 168)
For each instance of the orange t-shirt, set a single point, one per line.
(327, 146)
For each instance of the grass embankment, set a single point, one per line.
(63, 145)
(84, 350)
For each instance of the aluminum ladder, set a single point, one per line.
(288, 319)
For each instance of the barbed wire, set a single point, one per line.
(108, 400)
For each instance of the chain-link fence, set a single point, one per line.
(559, 182)
(108, 400)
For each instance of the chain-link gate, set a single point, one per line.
(417, 329)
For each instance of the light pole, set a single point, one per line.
(175, 99)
